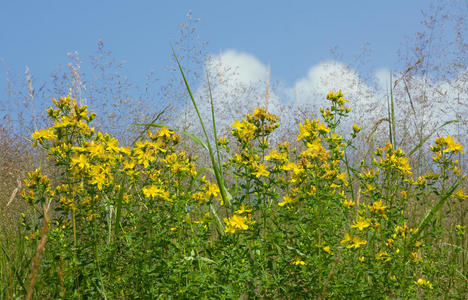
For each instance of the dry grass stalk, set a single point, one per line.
(15, 191)
(267, 90)
(332, 272)
(60, 274)
(40, 249)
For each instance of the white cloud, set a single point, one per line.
(241, 67)
(327, 76)
(239, 81)
(382, 78)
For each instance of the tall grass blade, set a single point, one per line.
(214, 124)
(389, 118)
(218, 175)
(434, 210)
(15, 271)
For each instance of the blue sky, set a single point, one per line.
(293, 38)
(290, 37)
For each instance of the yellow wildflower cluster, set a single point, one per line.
(310, 196)
(446, 144)
(298, 262)
(38, 188)
(338, 102)
(310, 131)
(95, 160)
(393, 160)
(423, 283)
(259, 124)
(235, 223)
(352, 241)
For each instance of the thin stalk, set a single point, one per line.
(390, 135)
(346, 161)
(215, 132)
(392, 112)
(119, 209)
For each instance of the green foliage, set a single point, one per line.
(293, 221)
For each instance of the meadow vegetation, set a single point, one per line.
(277, 221)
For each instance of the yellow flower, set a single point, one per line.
(213, 190)
(298, 262)
(303, 130)
(243, 129)
(402, 230)
(129, 165)
(144, 157)
(347, 239)
(361, 224)
(460, 230)
(378, 208)
(322, 128)
(99, 176)
(342, 178)
(96, 149)
(452, 146)
(288, 166)
(352, 241)
(222, 140)
(356, 128)
(79, 161)
(153, 191)
(237, 125)
(286, 200)
(382, 255)
(415, 256)
(357, 242)
(369, 188)
(199, 197)
(150, 191)
(47, 134)
(243, 210)
(312, 191)
(437, 157)
(260, 170)
(460, 195)
(113, 145)
(165, 132)
(349, 203)
(236, 222)
(424, 283)
(328, 250)
(402, 164)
